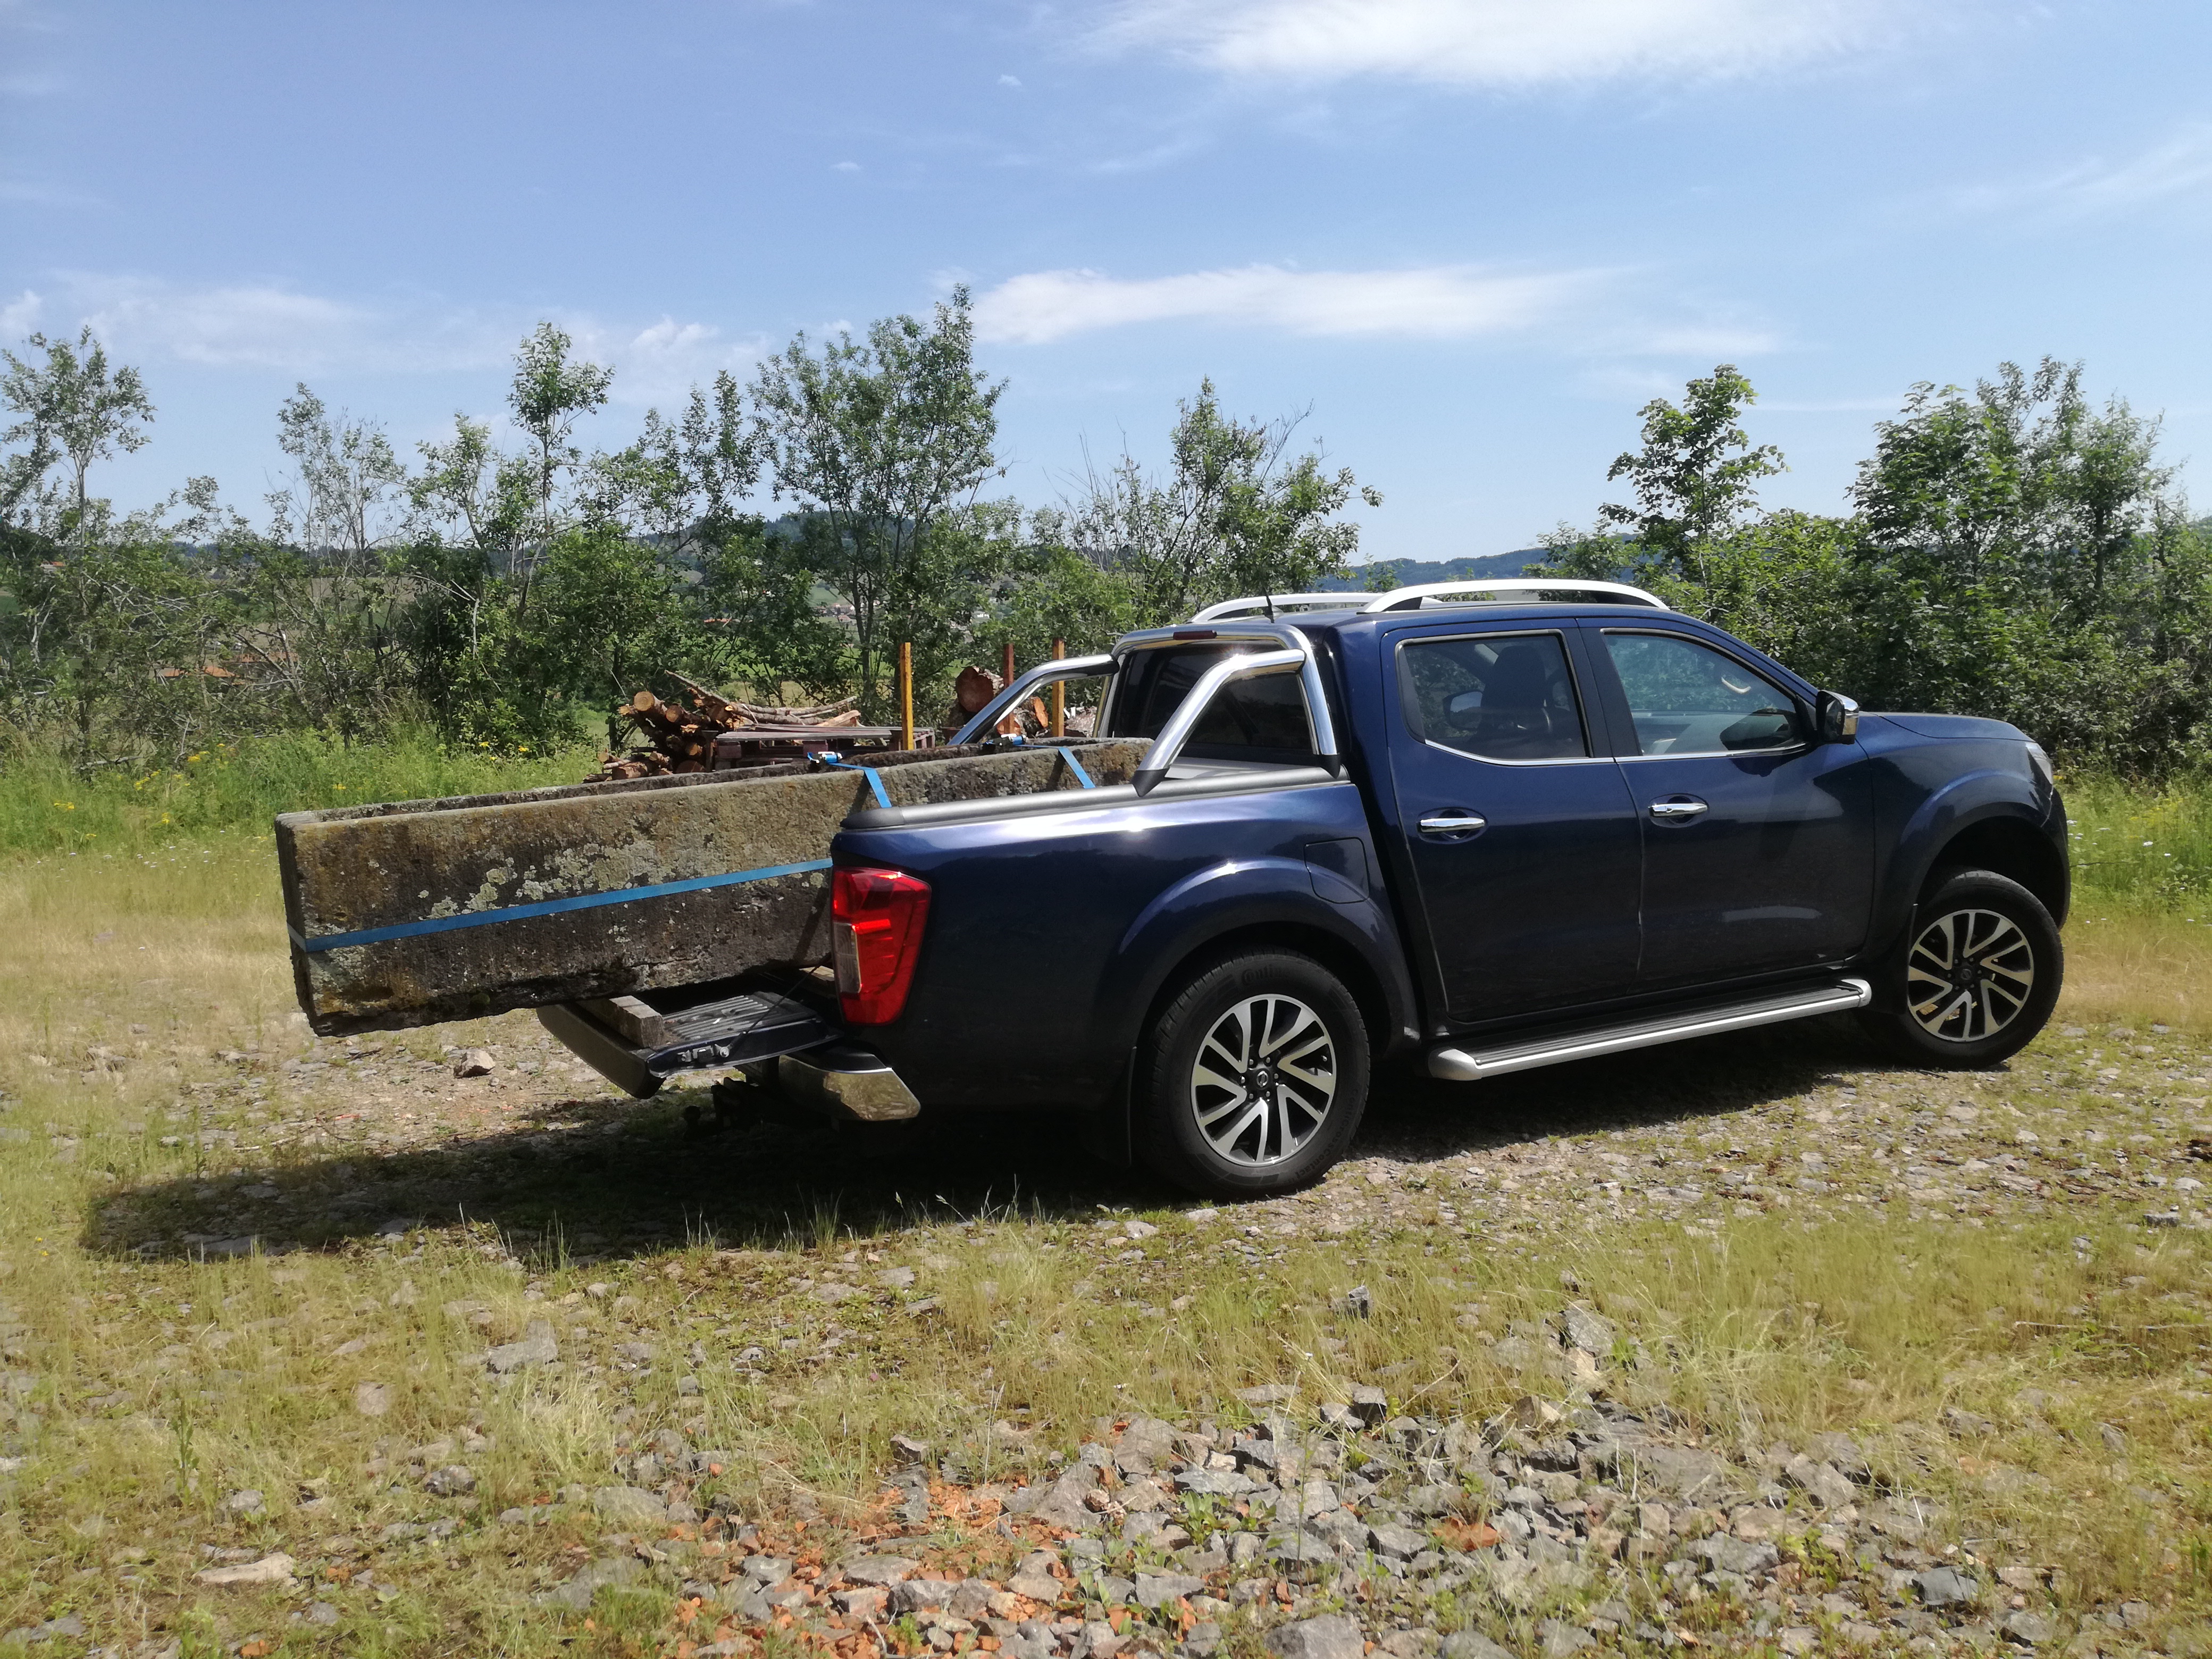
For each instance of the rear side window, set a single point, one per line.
(1689, 699)
(1500, 696)
(1261, 720)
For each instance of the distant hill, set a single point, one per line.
(1408, 572)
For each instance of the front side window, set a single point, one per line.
(1497, 697)
(1689, 699)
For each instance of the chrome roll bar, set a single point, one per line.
(1168, 745)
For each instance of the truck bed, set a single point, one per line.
(414, 911)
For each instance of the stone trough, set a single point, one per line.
(419, 911)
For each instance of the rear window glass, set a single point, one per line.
(1262, 719)
(1500, 696)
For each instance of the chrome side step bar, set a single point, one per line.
(1466, 1066)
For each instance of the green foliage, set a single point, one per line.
(1236, 514)
(2013, 554)
(75, 410)
(883, 439)
(2144, 849)
(1697, 474)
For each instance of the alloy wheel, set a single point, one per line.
(1263, 1080)
(1968, 974)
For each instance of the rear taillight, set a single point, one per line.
(876, 918)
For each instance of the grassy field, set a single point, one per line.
(247, 1280)
(234, 789)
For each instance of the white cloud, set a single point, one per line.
(263, 326)
(1718, 341)
(1499, 42)
(660, 363)
(1439, 301)
(32, 194)
(2178, 166)
(249, 326)
(1010, 79)
(844, 167)
(19, 316)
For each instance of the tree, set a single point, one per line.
(345, 472)
(1235, 515)
(1696, 478)
(683, 481)
(879, 438)
(2021, 486)
(327, 611)
(76, 409)
(548, 394)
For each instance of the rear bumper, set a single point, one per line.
(847, 1081)
(717, 1033)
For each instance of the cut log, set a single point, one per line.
(975, 688)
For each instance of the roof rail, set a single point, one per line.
(1409, 599)
(1262, 602)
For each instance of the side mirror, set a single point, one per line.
(1837, 717)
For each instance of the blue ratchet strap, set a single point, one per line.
(875, 781)
(547, 907)
(1076, 767)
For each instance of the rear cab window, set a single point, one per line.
(1262, 720)
(1496, 697)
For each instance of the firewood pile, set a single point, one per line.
(701, 731)
(972, 693)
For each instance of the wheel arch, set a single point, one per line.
(1302, 938)
(2009, 846)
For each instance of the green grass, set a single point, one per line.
(2141, 848)
(163, 1384)
(47, 807)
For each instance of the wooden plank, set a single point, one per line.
(639, 1022)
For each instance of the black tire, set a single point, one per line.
(1975, 977)
(1262, 1009)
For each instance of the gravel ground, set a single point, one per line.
(1804, 1120)
(1349, 1526)
(1587, 1512)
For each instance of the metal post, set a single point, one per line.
(906, 695)
(1058, 694)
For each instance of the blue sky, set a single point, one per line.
(1474, 235)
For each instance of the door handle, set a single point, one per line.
(1453, 823)
(1679, 809)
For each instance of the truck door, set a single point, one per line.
(1758, 842)
(1521, 837)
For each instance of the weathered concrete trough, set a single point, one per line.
(421, 911)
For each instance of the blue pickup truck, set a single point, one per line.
(1465, 829)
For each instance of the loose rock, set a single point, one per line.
(247, 1575)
